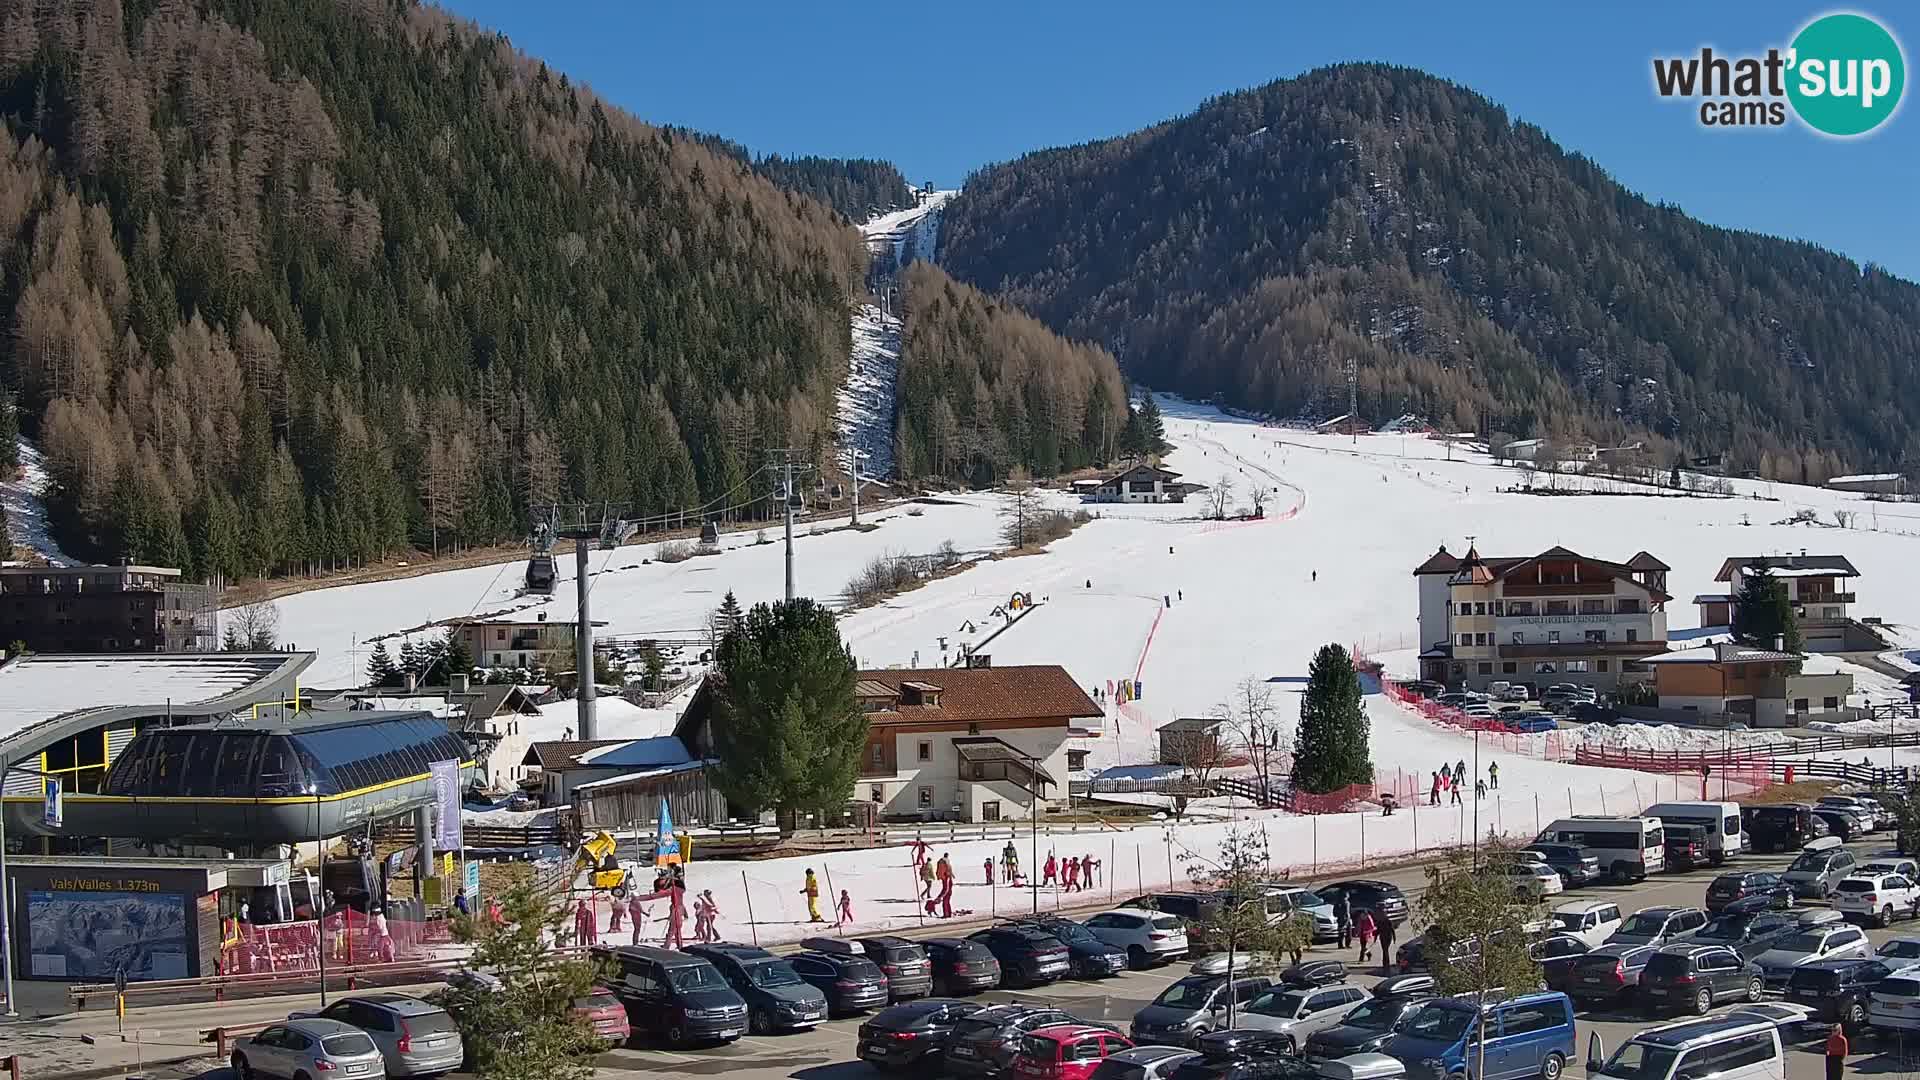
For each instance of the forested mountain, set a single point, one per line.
(1479, 274)
(984, 388)
(296, 282)
(857, 187)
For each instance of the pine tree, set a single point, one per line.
(532, 995)
(409, 660)
(787, 731)
(380, 669)
(9, 436)
(727, 616)
(1153, 429)
(457, 659)
(1763, 614)
(1332, 749)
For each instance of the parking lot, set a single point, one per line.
(827, 1052)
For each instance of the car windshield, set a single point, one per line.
(1899, 949)
(1378, 1014)
(695, 977)
(1645, 923)
(1734, 929)
(1569, 920)
(1640, 1061)
(1811, 860)
(1186, 994)
(1800, 943)
(1166, 922)
(1440, 1024)
(1272, 1004)
(1069, 931)
(597, 1001)
(771, 973)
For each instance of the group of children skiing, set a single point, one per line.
(1450, 779)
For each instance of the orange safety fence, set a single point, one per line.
(350, 937)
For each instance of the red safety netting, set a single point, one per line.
(350, 938)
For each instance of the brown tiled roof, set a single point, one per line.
(1645, 561)
(1438, 563)
(560, 755)
(979, 695)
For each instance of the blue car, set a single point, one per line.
(1528, 1036)
(1531, 722)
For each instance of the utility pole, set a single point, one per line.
(583, 666)
(854, 456)
(782, 461)
(1353, 397)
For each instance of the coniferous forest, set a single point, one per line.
(984, 389)
(1478, 274)
(297, 283)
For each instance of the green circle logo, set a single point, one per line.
(1847, 74)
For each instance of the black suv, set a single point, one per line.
(1836, 990)
(1381, 897)
(1027, 956)
(1694, 977)
(1570, 861)
(1239, 1055)
(961, 966)
(984, 1043)
(906, 965)
(1785, 827)
(777, 997)
(1744, 885)
(1748, 934)
(1087, 956)
(674, 995)
(851, 983)
(901, 1035)
(1368, 1028)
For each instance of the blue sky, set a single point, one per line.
(941, 89)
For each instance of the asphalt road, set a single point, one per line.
(827, 1052)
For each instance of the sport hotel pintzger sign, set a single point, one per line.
(1556, 620)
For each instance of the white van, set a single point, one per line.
(1724, 1047)
(1629, 848)
(1725, 837)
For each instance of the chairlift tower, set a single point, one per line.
(782, 463)
(605, 530)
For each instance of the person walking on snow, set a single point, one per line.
(1342, 921)
(1454, 788)
(1010, 862)
(846, 908)
(1460, 772)
(1433, 796)
(1384, 926)
(1479, 789)
(926, 880)
(636, 917)
(1493, 775)
(919, 848)
(1047, 870)
(1088, 864)
(988, 867)
(812, 892)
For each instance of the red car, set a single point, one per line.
(1067, 1051)
(603, 1012)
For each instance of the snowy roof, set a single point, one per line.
(1865, 478)
(1720, 654)
(38, 688)
(643, 774)
(1802, 565)
(1191, 723)
(660, 750)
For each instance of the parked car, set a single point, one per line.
(1747, 933)
(1534, 879)
(1876, 898)
(1893, 1003)
(602, 1012)
(1367, 1028)
(984, 1043)
(1313, 972)
(1380, 896)
(1889, 864)
(1842, 825)
(1592, 921)
(1687, 847)
(416, 1038)
(910, 1033)
(1298, 1012)
(1147, 937)
(1609, 973)
(1782, 827)
(1797, 950)
(777, 998)
(1739, 1046)
(1819, 867)
(674, 995)
(1027, 956)
(1592, 712)
(1144, 1063)
(1088, 957)
(1659, 926)
(908, 969)
(1193, 1006)
(1696, 977)
(307, 1047)
(1066, 1051)
(1526, 1036)
(1239, 1055)
(851, 983)
(961, 966)
(1532, 721)
(1556, 955)
(1860, 807)
(1300, 899)
(1407, 984)
(1575, 866)
(1899, 952)
(1745, 885)
(1516, 692)
(1838, 991)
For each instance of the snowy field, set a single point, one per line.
(1244, 603)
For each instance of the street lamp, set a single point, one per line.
(317, 890)
(6, 895)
